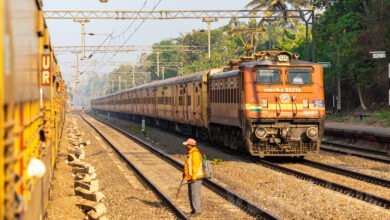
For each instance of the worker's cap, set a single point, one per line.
(189, 141)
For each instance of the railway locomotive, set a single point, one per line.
(32, 99)
(271, 104)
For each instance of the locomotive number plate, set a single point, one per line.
(282, 90)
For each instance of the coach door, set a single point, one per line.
(154, 102)
(176, 103)
(193, 104)
(185, 110)
(172, 102)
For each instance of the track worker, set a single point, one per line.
(193, 173)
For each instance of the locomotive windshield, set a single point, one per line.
(299, 76)
(268, 76)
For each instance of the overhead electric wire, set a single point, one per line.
(131, 35)
(132, 22)
(134, 32)
(122, 33)
(109, 36)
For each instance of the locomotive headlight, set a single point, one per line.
(283, 58)
(264, 103)
(261, 132)
(312, 133)
(305, 103)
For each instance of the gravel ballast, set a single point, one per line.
(125, 196)
(283, 195)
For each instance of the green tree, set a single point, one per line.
(278, 4)
(347, 32)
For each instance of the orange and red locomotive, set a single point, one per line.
(271, 104)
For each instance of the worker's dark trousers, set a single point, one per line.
(194, 195)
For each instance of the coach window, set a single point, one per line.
(180, 100)
(231, 95)
(226, 95)
(299, 76)
(225, 100)
(268, 76)
(234, 95)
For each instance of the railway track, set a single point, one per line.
(233, 198)
(385, 203)
(169, 203)
(355, 151)
(349, 173)
(367, 197)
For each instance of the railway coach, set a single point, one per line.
(271, 104)
(32, 99)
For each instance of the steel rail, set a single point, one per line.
(359, 152)
(357, 148)
(349, 173)
(382, 202)
(358, 135)
(227, 194)
(177, 211)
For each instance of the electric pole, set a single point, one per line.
(209, 21)
(158, 64)
(76, 78)
(119, 83)
(133, 82)
(163, 72)
(82, 22)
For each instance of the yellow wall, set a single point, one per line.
(21, 116)
(1, 117)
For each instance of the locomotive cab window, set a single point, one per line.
(299, 76)
(268, 76)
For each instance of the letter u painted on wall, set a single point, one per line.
(46, 72)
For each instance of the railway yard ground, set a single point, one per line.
(280, 194)
(174, 109)
(125, 195)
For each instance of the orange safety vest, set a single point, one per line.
(193, 169)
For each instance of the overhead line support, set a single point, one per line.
(175, 14)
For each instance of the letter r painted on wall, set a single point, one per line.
(46, 72)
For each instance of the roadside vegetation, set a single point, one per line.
(380, 118)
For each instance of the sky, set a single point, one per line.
(67, 32)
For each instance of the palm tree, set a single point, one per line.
(278, 4)
(282, 6)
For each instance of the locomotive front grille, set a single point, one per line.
(264, 148)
